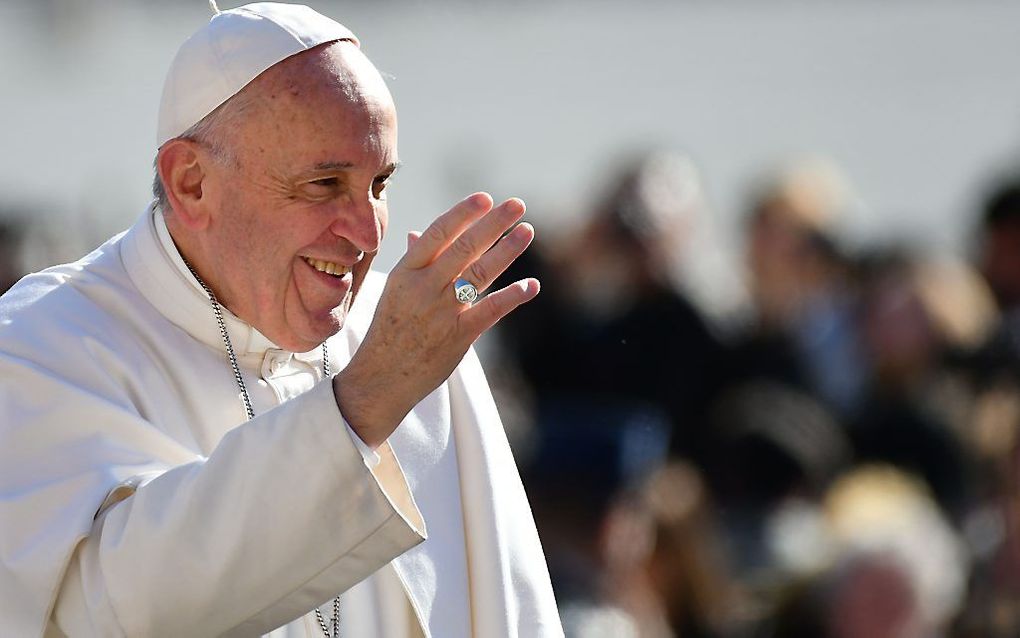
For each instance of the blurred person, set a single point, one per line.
(800, 286)
(775, 452)
(917, 310)
(883, 580)
(881, 511)
(992, 527)
(996, 365)
(619, 326)
(586, 481)
(866, 596)
(687, 565)
(999, 243)
(916, 315)
(177, 456)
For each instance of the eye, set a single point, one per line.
(321, 189)
(379, 186)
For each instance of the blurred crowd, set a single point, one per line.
(837, 457)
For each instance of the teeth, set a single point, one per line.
(328, 267)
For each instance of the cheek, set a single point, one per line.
(253, 247)
(234, 236)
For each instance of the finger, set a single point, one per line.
(484, 314)
(477, 239)
(412, 237)
(446, 229)
(487, 268)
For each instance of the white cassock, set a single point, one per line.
(135, 501)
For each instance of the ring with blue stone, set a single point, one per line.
(465, 291)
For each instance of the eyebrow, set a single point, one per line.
(326, 166)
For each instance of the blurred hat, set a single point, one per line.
(655, 192)
(810, 192)
(225, 55)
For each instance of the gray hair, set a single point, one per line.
(212, 131)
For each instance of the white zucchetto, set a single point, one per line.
(225, 55)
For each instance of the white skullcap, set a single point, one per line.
(225, 55)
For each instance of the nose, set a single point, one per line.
(359, 221)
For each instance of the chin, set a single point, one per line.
(306, 330)
(307, 339)
(313, 340)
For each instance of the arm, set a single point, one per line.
(281, 516)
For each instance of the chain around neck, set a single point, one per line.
(334, 622)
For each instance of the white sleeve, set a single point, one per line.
(284, 514)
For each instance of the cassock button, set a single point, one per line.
(275, 363)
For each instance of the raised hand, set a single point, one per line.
(420, 331)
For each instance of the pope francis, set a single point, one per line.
(221, 422)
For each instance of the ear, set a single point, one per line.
(182, 166)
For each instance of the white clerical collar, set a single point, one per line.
(173, 254)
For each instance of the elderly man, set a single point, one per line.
(177, 456)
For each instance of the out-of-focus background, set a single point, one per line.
(772, 384)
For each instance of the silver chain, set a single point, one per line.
(334, 622)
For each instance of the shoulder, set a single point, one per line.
(52, 310)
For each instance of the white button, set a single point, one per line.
(275, 362)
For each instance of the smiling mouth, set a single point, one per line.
(328, 267)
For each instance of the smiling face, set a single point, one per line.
(298, 215)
